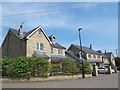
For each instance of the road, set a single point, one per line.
(102, 81)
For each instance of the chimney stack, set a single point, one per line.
(21, 31)
(90, 46)
(105, 51)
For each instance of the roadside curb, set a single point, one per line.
(52, 78)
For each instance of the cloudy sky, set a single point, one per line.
(99, 21)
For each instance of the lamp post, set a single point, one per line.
(83, 73)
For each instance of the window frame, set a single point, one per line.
(89, 55)
(41, 47)
(52, 50)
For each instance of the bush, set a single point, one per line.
(25, 67)
(42, 67)
(87, 68)
(55, 68)
(20, 68)
(70, 67)
(5, 63)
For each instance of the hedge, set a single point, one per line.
(27, 67)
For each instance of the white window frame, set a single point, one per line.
(52, 50)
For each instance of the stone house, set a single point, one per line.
(33, 43)
(87, 53)
(92, 56)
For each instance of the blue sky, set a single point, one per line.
(99, 21)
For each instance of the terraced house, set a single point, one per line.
(33, 43)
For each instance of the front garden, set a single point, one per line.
(26, 68)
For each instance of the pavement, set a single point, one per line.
(101, 81)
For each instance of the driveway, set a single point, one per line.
(102, 81)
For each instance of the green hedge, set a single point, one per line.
(87, 68)
(25, 67)
(70, 67)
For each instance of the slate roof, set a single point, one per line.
(87, 49)
(72, 55)
(16, 32)
(57, 58)
(57, 45)
(108, 54)
(25, 33)
(41, 54)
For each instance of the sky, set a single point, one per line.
(99, 21)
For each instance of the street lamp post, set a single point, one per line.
(83, 73)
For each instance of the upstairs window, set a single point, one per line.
(52, 51)
(41, 46)
(59, 51)
(98, 56)
(37, 46)
(94, 56)
(89, 55)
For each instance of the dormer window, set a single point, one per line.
(53, 39)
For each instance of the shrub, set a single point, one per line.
(70, 67)
(25, 67)
(5, 65)
(87, 68)
(42, 67)
(55, 68)
(20, 68)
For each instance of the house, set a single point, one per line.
(111, 58)
(33, 43)
(88, 54)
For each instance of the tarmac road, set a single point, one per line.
(102, 81)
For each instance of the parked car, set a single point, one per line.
(104, 70)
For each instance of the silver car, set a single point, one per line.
(104, 70)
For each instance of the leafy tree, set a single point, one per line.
(117, 62)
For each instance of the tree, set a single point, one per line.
(117, 62)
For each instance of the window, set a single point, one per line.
(39, 33)
(41, 46)
(59, 51)
(94, 56)
(52, 51)
(89, 55)
(37, 46)
(98, 56)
